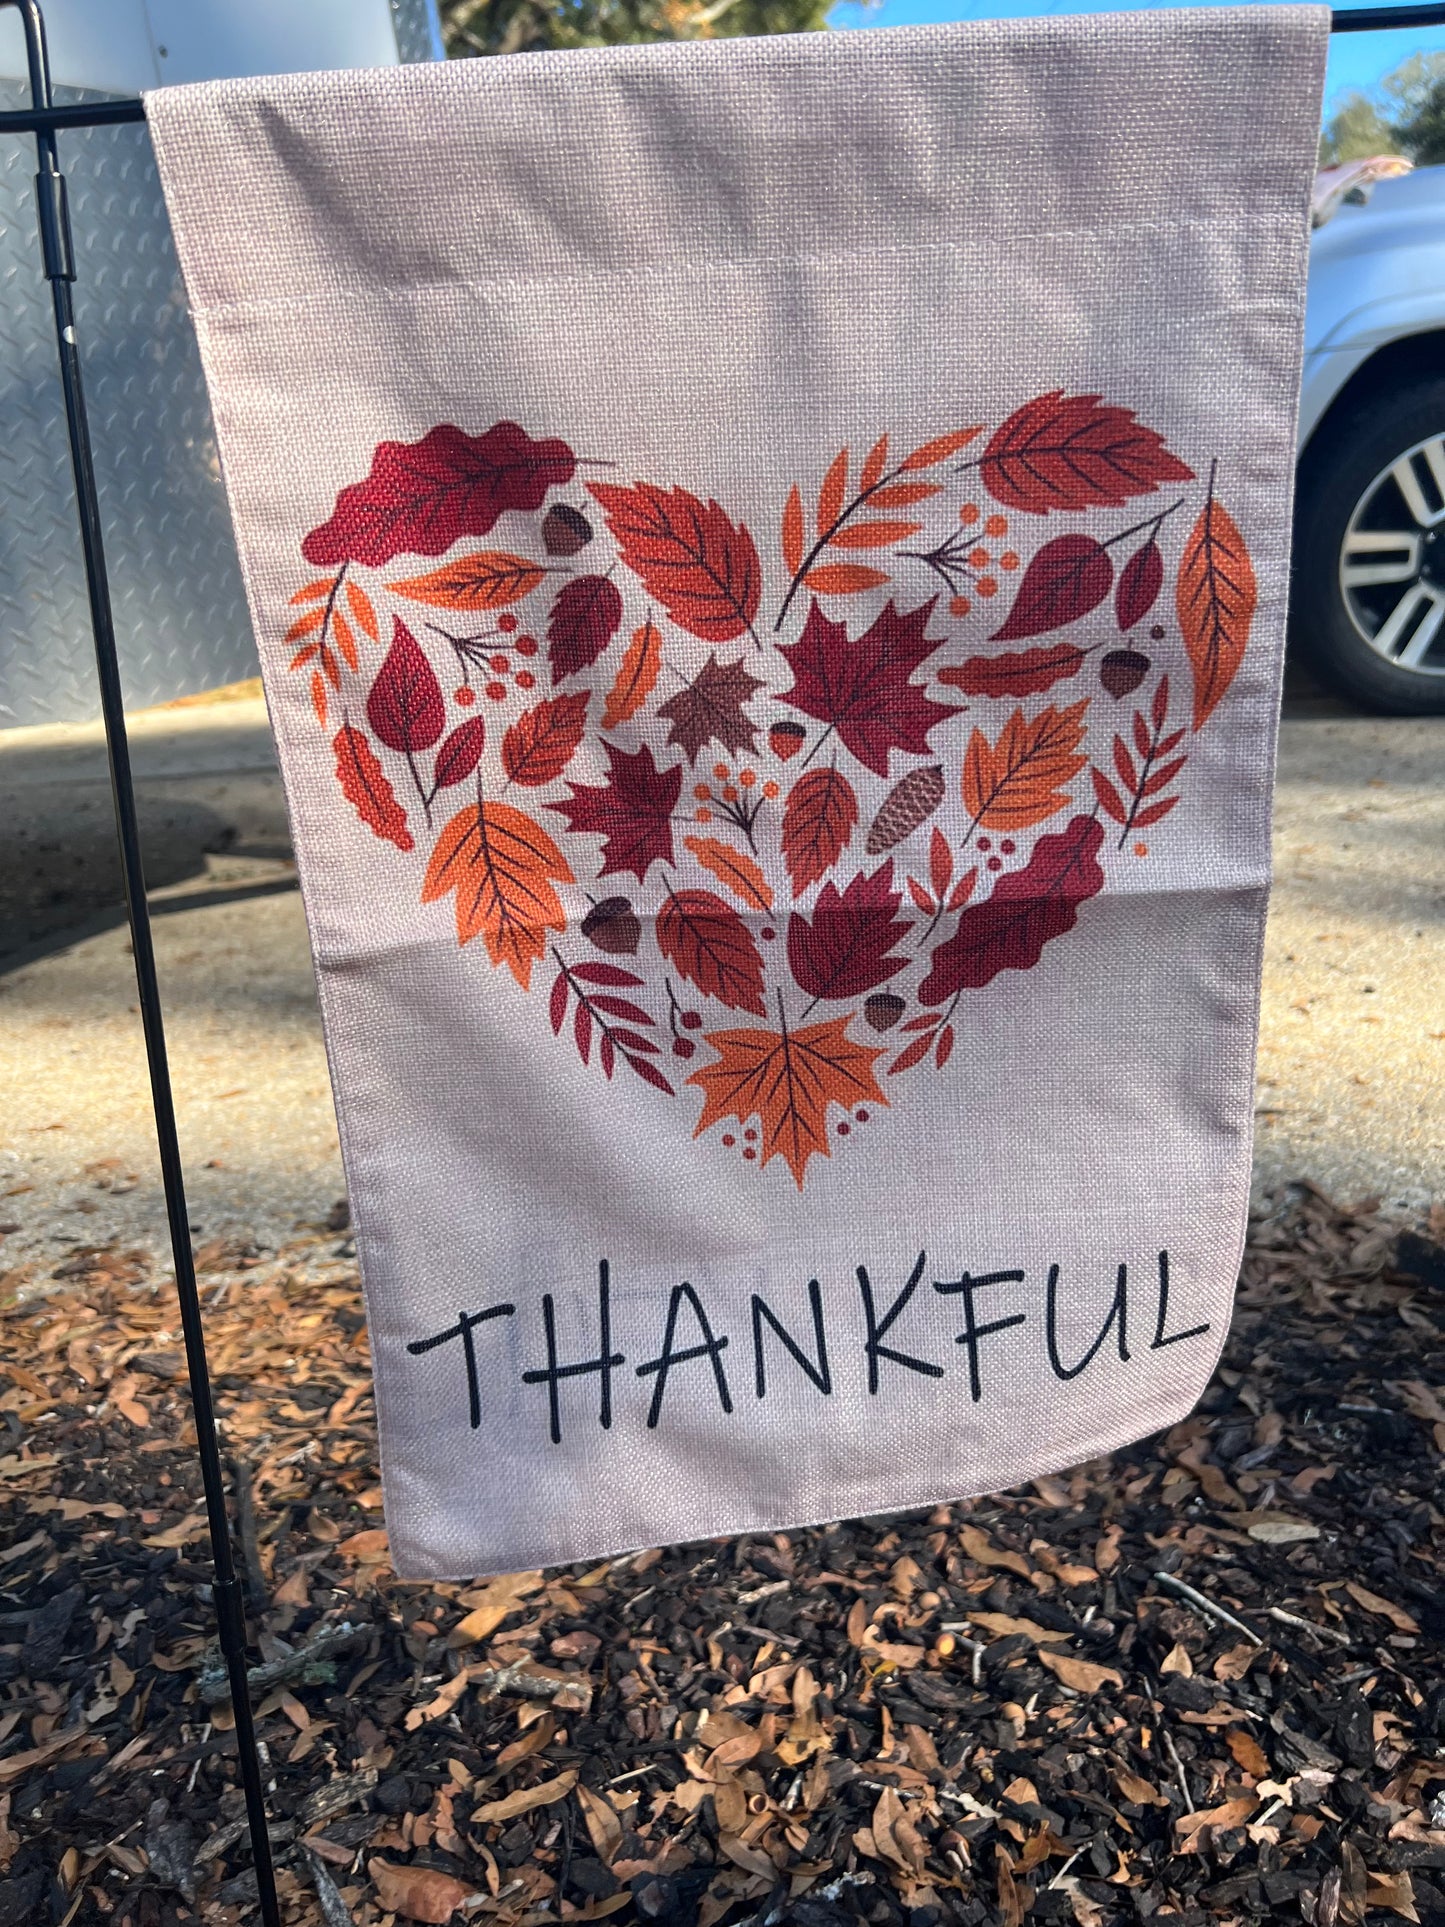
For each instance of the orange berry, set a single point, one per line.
(720, 771)
(996, 525)
(959, 606)
(730, 794)
(525, 679)
(702, 792)
(702, 816)
(496, 691)
(500, 664)
(466, 696)
(1008, 560)
(978, 558)
(506, 624)
(986, 585)
(1141, 849)
(770, 789)
(748, 778)
(968, 513)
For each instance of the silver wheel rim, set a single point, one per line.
(1392, 561)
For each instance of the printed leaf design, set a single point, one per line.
(1157, 768)
(787, 1080)
(794, 534)
(544, 739)
(459, 754)
(910, 802)
(502, 867)
(365, 785)
(421, 497)
(1066, 579)
(635, 679)
(1019, 780)
(406, 708)
(1021, 672)
(485, 579)
(363, 614)
(631, 811)
(863, 688)
(844, 578)
(1215, 597)
(712, 709)
(818, 821)
(708, 944)
(1028, 909)
(701, 566)
(1075, 452)
(1140, 580)
(844, 949)
(879, 534)
(939, 449)
(733, 868)
(585, 617)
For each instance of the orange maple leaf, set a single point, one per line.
(787, 1079)
(1018, 781)
(502, 867)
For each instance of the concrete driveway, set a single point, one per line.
(1352, 1057)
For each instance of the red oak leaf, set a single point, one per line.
(585, 617)
(843, 950)
(701, 566)
(421, 497)
(707, 942)
(818, 821)
(862, 688)
(543, 740)
(1075, 452)
(1028, 908)
(1066, 579)
(631, 811)
(713, 709)
(406, 707)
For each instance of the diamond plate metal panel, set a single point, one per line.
(181, 621)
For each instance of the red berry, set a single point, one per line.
(466, 696)
(1008, 846)
(500, 664)
(692, 1020)
(506, 624)
(860, 1117)
(527, 645)
(683, 1047)
(496, 692)
(767, 933)
(985, 843)
(750, 1153)
(995, 863)
(525, 679)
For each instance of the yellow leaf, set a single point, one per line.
(502, 867)
(1019, 780)
(733, 867)
(636, 676)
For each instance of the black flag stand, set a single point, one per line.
(44, 119)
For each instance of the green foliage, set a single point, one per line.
(526, 26)
(1356, 131)
(1416, 92)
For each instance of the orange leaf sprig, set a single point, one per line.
(878, 488)
(327, 625)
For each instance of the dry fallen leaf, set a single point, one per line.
(1282, 1532)
(1229, 1813)
(1176, 1660)
(1004, 1624)
(1082, 1674)
(603, 1826)
(1141, 1793)
(527, 1799)
(981, 1549)
(1235, 1662)
(417, 1893)
(1247, 1752)
(1385, 1608)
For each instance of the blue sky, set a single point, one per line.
(1356, 59)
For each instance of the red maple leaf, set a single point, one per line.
(863, 688)
(421, 497)
(631, 811)
(843, 949)
(1028, 909)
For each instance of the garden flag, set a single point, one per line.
(769, 560)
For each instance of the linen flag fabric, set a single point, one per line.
(769, 561)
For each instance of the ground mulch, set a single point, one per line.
(1199, 1681)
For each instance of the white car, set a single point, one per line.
(1368, 596)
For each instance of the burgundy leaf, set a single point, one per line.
(460, 753)
(708, 944)
(406, 708)
(585, 617)
(582, 1031)
(650, 1074)
(421, 497)
(844, 949)
(713, 709)
(620, 1007)
(1028, 908)
(601, 973)
(1075, 452)
(631, 811)
(1140, 580)
(561, 991)
(1066, 579)
(864, 688)
(1023, 672)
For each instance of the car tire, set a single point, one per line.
(1349, 505)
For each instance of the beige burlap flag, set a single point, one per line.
(770, 562)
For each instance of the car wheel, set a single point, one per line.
(1368, 597)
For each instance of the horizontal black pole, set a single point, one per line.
(111, 113)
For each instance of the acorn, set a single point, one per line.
(612, 926)
(1122, 671)
(565, 530)
(883, 1009)
(787, 739)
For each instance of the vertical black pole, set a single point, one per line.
(55, 241)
